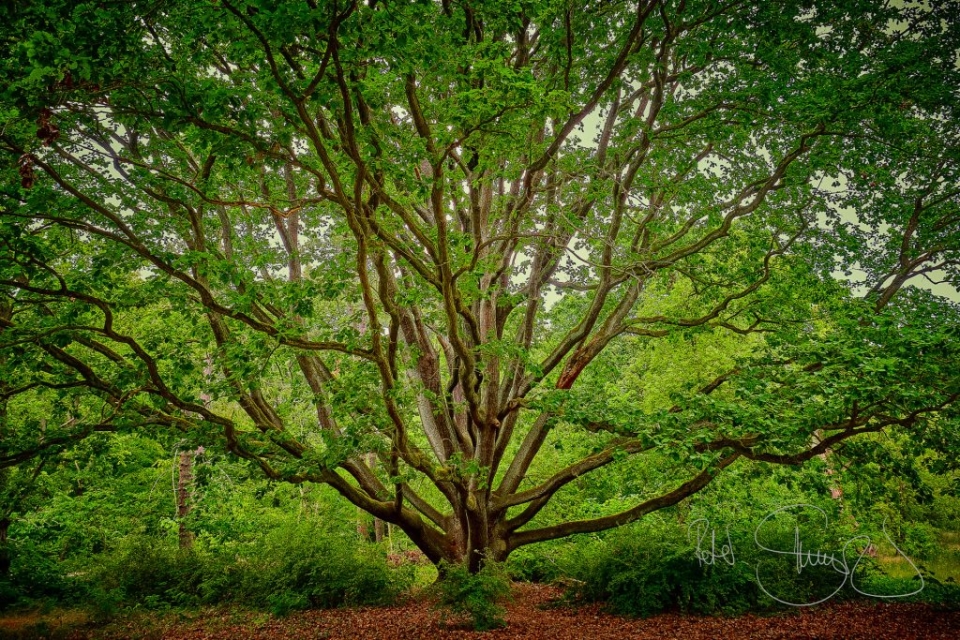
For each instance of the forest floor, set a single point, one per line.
(535, 612)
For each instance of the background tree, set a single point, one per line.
(436, 232)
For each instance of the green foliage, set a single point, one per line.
(944, 594)
(580, 254)
(919, 540)
(301, 565)
(538, 564)
(478, 595)
(642, 574)
(104, 604)
(283, 603)
(291, 567)
(151, 572)
(35, 576)
(710, 558)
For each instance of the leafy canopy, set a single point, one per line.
(396, 247)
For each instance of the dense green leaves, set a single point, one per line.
(450, 257)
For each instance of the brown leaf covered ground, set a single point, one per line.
(532, 614)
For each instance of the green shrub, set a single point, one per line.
(289, 568)
(104, 603)
(919, 540)
(35, 575)
(478, 595)
(296, 567)
(941, 594)
(281, 604)
(642, 576)
(152, 573)
(653, 566)
(539, 563)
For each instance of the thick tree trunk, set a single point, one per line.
(475, 536)
(184, 482)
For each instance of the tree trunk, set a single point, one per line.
(362, 531)
(476, 537)
(184, 482)
(371, 459)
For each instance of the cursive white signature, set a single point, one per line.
(711, 555)
(838, 561)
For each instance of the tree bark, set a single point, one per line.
(377, 522)
(362, 531)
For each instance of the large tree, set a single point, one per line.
(396, 247)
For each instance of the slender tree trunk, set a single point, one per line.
(377, 522)
(184, 482)
(362, 530)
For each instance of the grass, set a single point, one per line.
(944, 566)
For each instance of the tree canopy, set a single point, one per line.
(400, 247)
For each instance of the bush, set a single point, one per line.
(296, 566)
(35, 575)
(150, 572)
(653, 566)
(642, 576)
(945, 595)
(919, 540)
(540, 563)
(281, 604)
(292, 567)
(104, 603)
(478, 595)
